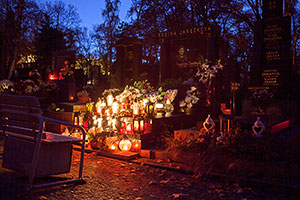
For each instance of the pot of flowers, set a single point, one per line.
(83, 96)
(94, 140)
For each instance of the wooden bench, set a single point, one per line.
(28, 149)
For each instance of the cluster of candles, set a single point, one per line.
(115, 117)
(112, 116)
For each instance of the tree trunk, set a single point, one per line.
(11, 64)
(14, 53)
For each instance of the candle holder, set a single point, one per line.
(138, 124)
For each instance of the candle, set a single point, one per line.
(142, 125)
(136, 125)
(128, 128)
(136, 108)
(110, 99)
(99, 121)
(114, 124)
(115, 107)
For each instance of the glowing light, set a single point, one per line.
(114, 124)
(99, 120)
(52, 77)
(145, 101)
(110, 99)
(115, 107)
(125, 145)
(135, 108)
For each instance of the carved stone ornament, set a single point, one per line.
(209, 124)
(258, 128)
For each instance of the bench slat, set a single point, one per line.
(26, 109)
(24, 124)
(20, 100)
(21, 131)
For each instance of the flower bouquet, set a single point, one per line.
(191, 98)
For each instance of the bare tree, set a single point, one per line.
(18, 20)
(105, 33)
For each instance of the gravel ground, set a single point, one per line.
(108, 178)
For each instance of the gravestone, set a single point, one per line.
(181, 50)
(128, 64)
(273, 68)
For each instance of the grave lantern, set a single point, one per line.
(138, 124)
(159, 109)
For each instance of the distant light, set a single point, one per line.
(52, 77)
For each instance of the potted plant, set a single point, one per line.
(83, 96)
(94, 139)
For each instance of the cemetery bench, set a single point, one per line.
(30, 150)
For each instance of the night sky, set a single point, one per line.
(90, 10)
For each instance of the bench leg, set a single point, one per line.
(36, 154)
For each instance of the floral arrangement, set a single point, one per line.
(170, 95)
(47, 89)
(113, 91)
(28, 87)
(67, 70)
(6, 87)
(143, 86)
(191, 98)
(205, 74)
(129, 94)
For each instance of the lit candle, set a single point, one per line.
(142, 125)
(128, 128)
(95, 120)
(113, 147)
(136, 108)
(114, 124)
(99, 120)
(115, 107)
(98, 106)
(145, 101)
(110, 99)
(136, 125)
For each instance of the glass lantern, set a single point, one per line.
(169, 108)
(159, 109)
(138, 125)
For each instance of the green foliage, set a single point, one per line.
(142, 85)
(171, 83)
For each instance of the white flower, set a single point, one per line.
(182, 104)
(188, 99)
(5, 84)
(189, 105)
(193, 88)
(195, 99)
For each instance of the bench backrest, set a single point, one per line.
(19, 115)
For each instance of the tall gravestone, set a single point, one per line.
(273, 69)
(128, 64)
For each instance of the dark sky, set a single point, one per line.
(90, 10)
